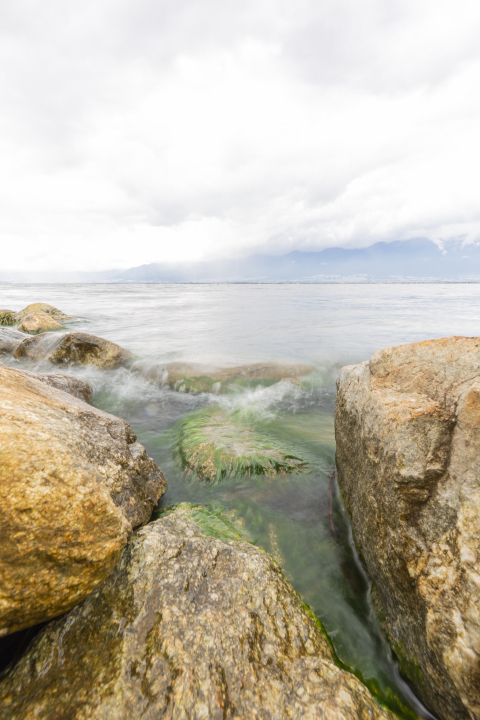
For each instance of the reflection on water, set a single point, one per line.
(297, 518)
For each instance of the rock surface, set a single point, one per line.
(186, 626)
(213, 445)
(73, 483)
(73, 386)
(77, 348)
(38, 322)
(42, 308)
(10, 339)
(191, 377)
(7, 317)
(408, 457)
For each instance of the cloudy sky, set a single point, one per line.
(136, 131)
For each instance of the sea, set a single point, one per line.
(298, 519)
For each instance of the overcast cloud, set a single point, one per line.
(135, 131)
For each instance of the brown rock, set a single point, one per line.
(186, 626)
(73, 483)
(10, 339)
(77, 348)
(42, 308)
(408, 457)
(78, 388)
(191, 377)
(38, 322)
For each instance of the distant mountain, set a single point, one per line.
(405, 260)
(399, 261)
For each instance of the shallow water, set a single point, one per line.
(297, 518)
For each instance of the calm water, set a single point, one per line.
(298, 519)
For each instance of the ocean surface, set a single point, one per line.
(298, 519)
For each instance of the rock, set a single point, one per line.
(42, 308)
(186, 626)
(213, 445)
(9, 340)
(191, 377)
(408, 457)
(38, 322)
(77, 348)
(7, 317)
(78, 388)
(73, 483)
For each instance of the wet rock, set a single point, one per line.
(38, 322)
(77, 348)
(186, 626)
(9, 340)
(73, 483)
(7, 317)
(408, 458)
(42, 308)
(214, 445)
(73, 386)
(191, 377)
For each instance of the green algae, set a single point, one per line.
(211, 521)
(6, 318)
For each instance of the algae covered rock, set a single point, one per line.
(73, 483)
(43, 308)
(10, 339)
(7, 317)
(408, 457)
(77, 348)
(195, 378)
(186, 626)
(38, 322)
(213, 445)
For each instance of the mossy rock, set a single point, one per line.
(214, 445)
(211, 521)
(7, 317)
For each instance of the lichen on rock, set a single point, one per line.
(186, 626)
(74, 481)
(408, 447)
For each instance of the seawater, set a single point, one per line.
(299, 519)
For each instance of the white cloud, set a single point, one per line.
(134, 132)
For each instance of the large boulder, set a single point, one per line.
(10, 339)
(73, 483)
(194, 377)
(77, 348)
(186, 626)
(73, 386)
(44, 308)
(407, 428)
(38, 322)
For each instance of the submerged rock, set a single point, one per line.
(186, 626)
(7, 317)
(408, 459)
(73, 483)
(213, 445)
(9, 340)
(77, 348)
(191, 377)
(38, 322)
(42, 308)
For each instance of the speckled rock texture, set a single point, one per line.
(77, 348)
(38, 322)
(408, 456)
(10, 339)
(44, 308)
(73, 484)
(187, 626)
(73, 386)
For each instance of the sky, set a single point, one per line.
(137, 131)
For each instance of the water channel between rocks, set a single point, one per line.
(297, 517)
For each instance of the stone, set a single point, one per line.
(38, 322)
(186, 626)
(42, 308)
(407, 428)
(195, 378)
(10, 339)
(213, 445)
(74, 481)
(7, 317)
(77, 348)
(73, 386)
